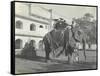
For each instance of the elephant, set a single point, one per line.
(64, 38)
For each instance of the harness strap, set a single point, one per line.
(51, 41)
(73, 35)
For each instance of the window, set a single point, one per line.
(41, 26)
(19, 24)
(18, 44)
(32, 27)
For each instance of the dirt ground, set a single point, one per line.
(34, 65)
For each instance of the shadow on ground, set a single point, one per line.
(38, 64)
(42, 59)
(36, 58)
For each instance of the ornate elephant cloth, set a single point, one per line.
(78, 34)
(58, 38)
(55, 38)
(69, 41)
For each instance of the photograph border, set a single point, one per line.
(13, 36)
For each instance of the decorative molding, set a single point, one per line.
(41, 17)
(31, 19)
(28, 35)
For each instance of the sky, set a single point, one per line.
(66, 11)
(70, 11)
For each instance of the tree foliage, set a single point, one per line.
(88, 24)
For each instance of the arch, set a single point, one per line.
(40, 44)
(18, 44)
(19, 24)
(33, 42)
(32, 27)
(41, 41)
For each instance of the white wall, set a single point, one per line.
(26, 28)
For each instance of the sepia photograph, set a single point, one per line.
(53, 37)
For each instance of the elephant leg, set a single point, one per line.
(47, 52)
(70, 58)
(76, 55)
(46, 48)
(84, 54)
(70, 54)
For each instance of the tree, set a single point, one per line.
(88, 24)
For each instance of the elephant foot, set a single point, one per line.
(70, 62)
(70, 59)
(48, 61)
(76, 60)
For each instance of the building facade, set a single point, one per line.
(29, 27)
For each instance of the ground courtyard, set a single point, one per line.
(34, 65)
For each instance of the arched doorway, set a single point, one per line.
(40, 45)
(33, 43)
(18, 44)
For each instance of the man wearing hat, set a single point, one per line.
(60, 24)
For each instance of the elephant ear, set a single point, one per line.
(78, 35)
